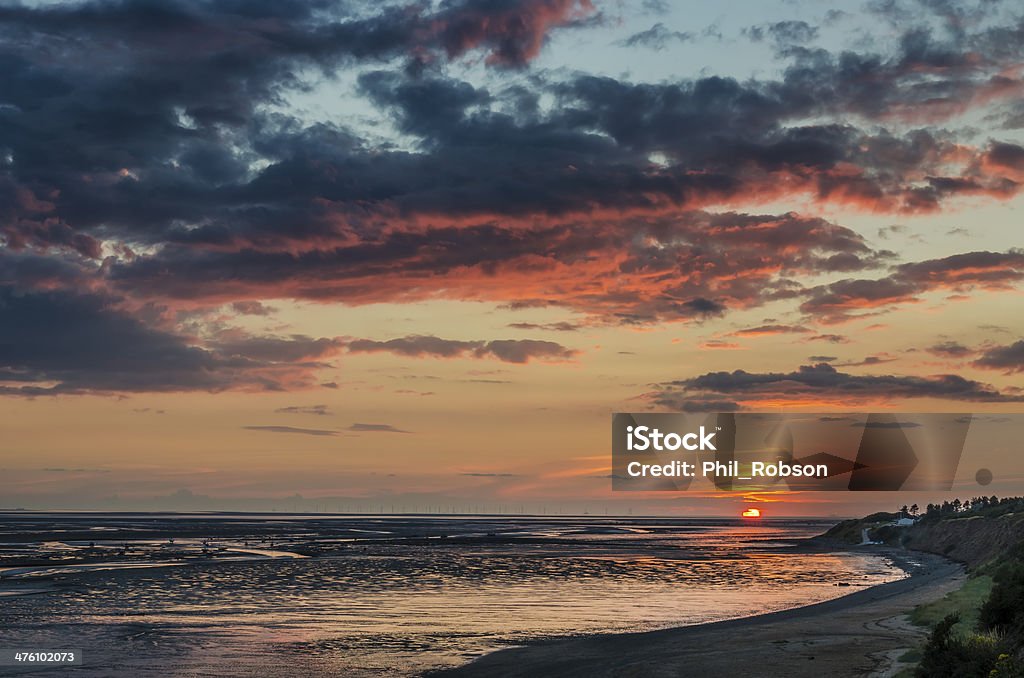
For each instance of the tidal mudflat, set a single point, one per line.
(147, 594)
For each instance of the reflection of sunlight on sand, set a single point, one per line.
(51, 570)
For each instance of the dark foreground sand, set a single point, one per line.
(860, 634)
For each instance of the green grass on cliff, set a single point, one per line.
(967, 601)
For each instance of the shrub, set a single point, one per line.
(1004, 609)
(1008, 666)
(947, 655)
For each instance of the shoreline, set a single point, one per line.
(862, 633)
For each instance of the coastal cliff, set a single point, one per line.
(974, 533)
(973, 540)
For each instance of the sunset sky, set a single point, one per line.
(332, 255)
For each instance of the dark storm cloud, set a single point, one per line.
(1007, 358)
(164, 146)
(31, 270)
(839, 298)
(509, 32)
(1006, 155)
(822, 382)
(108, 350)
(57, 342)
(141, 116)
(141, 167)
(745, 260)
(970, 268)
(507, 350)
(851, 297)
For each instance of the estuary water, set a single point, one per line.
(374, 596)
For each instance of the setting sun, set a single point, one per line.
(752, 513)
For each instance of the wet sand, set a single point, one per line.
(270, 584)
(861, 634)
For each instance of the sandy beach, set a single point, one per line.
(861, 634)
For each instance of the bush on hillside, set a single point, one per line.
(1004, 609)
(947, 655)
